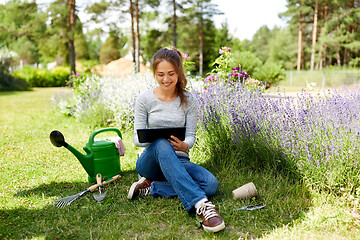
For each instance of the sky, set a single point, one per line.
(245, 17)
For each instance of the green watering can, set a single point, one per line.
(101, 156)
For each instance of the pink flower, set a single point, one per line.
(77, 74)
(185, 56)
(221, 51)
(228, 48)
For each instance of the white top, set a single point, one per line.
(150, 112)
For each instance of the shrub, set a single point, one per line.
(40, 77)
(9, 83)
(60, 75)
(248, 61)
(270, 73)
(225, 71)
(314, 137)
(103, 101)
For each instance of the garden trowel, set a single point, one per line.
(101, 195)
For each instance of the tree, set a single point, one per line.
(338, 39)
(22, 26)
(314, 35)
(133, 39)
(201, 11)
(70, 26)
(260, 42)
(111, 49)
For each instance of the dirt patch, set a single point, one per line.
(118, 68)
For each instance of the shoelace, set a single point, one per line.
(144, 191)
(207, 209)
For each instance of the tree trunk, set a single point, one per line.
(132, 34)
(201, 38)
(70, 25)
(314, 36)
(325, 45)
(174, 24)
(338, 59)
(299, 42)
(137, 51)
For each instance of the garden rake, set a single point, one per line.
(66, 201)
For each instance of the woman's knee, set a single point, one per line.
(212, 186)
(161, 143)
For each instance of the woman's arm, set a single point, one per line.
(140, 121)
(191, 121)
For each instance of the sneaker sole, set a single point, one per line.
(217, 228)
(133, 186)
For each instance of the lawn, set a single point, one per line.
(34, 174)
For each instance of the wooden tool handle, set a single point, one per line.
(98, 179)
(110, 180)
(93, 187)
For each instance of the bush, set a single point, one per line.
(270, 73)
(316, 139)
(60, 75)
(249, 62)
(9, 83)
(40, 77)
(102, 102)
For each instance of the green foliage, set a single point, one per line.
(282, 47)
(9, 83)
(113, 48)
(22, 26)
(153, 40)
(223, 63)
(260, 44)
(40, 77)
(270, 73)
(248, 61)
(26, 49)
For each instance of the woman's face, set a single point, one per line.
(166, 76)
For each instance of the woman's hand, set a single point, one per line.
(178, 144)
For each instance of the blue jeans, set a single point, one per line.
(174, 175)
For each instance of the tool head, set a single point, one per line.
(99, 196)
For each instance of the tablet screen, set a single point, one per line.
(148, 135)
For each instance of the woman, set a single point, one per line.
(164, 165)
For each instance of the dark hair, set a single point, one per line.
(173, 56)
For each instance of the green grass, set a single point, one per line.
(34, 174)
(333, 78)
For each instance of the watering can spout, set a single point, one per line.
(87, 161)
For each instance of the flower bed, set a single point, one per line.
(317, 137)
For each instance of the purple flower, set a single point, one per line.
(313, 134)
(185, 56)
(221, 51)
(209, 78)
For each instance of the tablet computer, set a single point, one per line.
(146, 135)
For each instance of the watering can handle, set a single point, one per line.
(92, 136)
